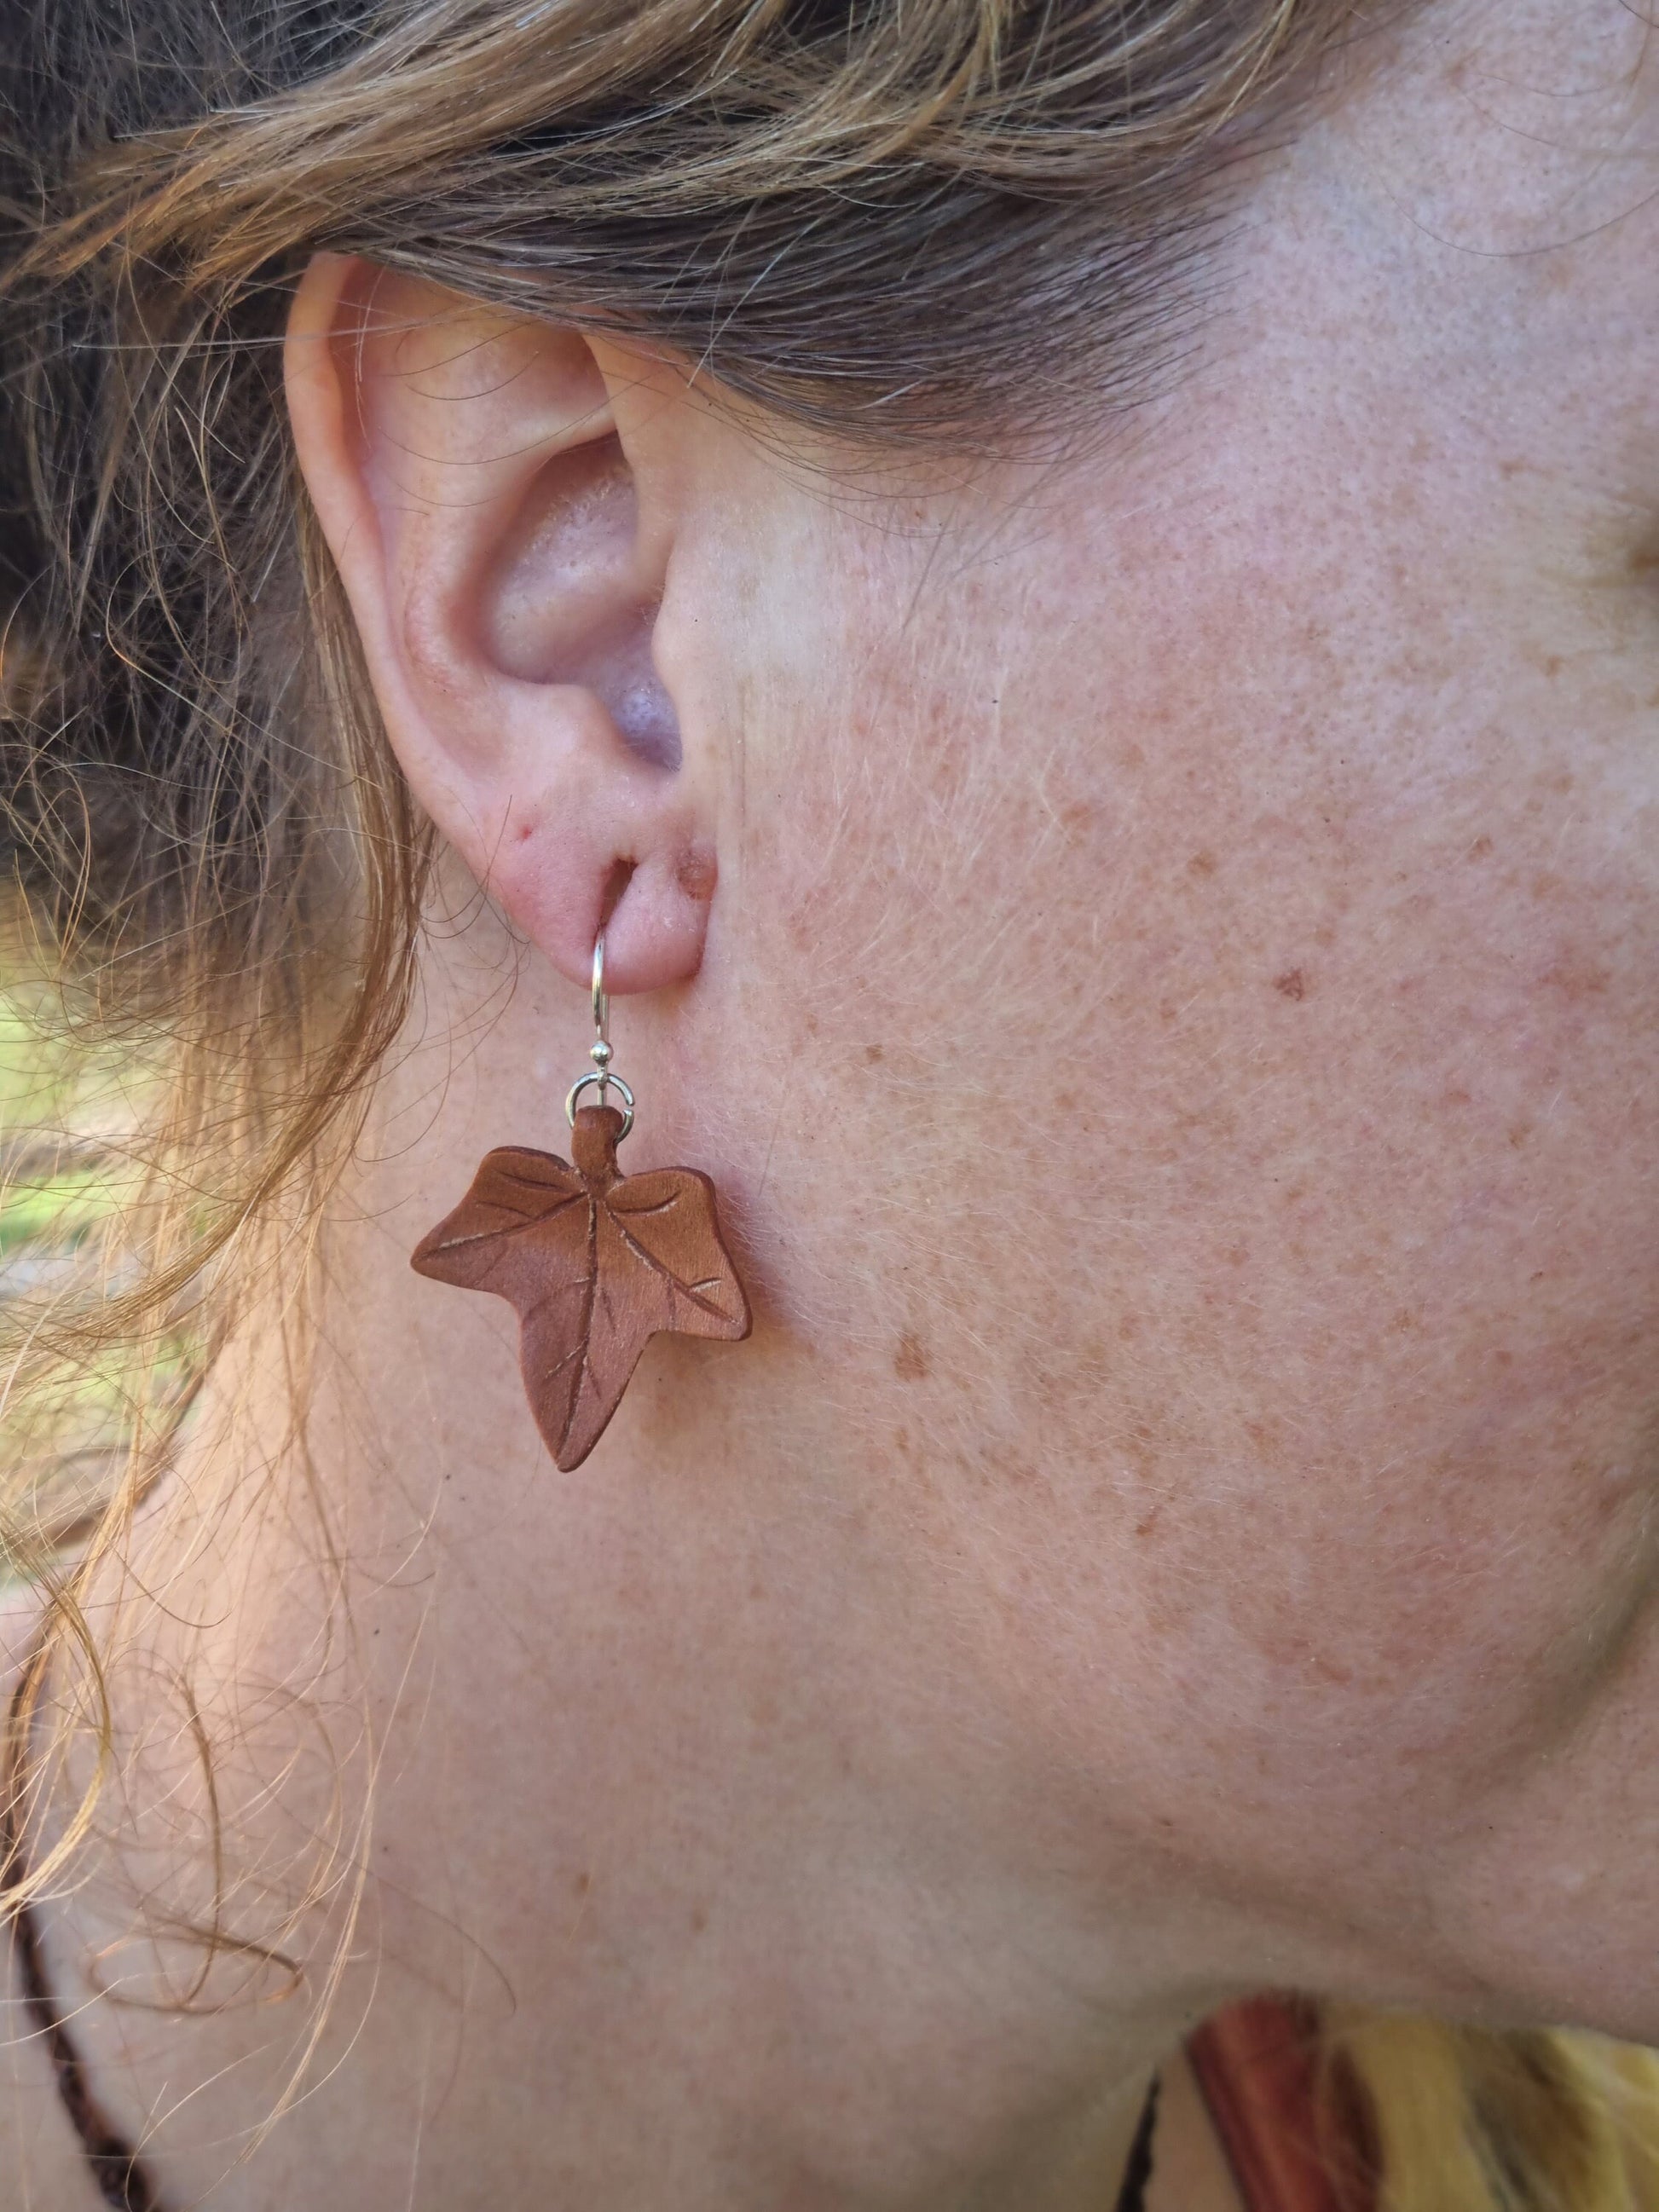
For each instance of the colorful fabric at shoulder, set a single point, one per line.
(1290, 2150)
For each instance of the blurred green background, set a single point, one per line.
(66, 1172)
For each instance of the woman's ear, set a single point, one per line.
(498, 495)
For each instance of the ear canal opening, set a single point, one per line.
(564, 603)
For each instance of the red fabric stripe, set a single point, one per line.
(1256, 2066)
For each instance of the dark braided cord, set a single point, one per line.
(122, 2177)
(1132, 2196)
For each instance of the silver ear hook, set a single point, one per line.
(599, 1051)
(601, 1007)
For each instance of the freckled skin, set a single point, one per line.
(1190, 1491)
(911, 1361)
(1312, 848)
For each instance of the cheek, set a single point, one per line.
(1387, 1205)
(1210, 1120)
(1404, 1302)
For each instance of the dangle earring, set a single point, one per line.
(593, 1261)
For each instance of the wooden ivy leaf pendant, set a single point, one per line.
(595, 1262)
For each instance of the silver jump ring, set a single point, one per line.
(602, 1082)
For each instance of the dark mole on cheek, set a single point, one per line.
(911, 1361)
(1291, 984)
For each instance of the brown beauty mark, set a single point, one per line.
(594, 1262)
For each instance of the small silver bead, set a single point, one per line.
(599, 1054)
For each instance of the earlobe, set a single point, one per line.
(504, 553)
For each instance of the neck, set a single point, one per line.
(703, 1870)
